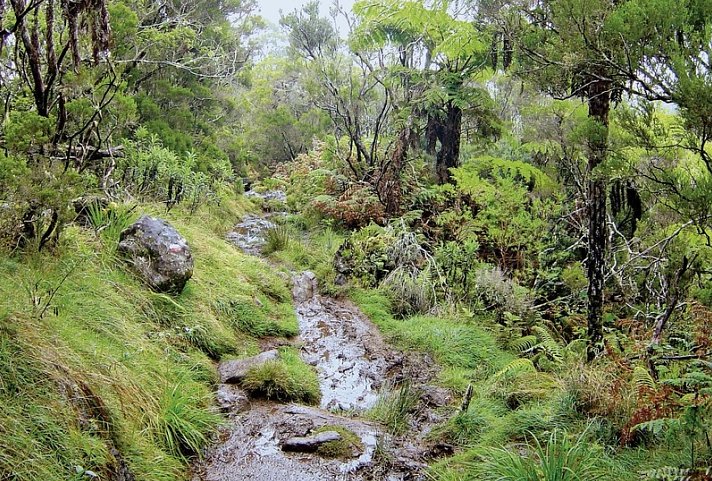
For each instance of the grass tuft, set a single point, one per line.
(287, 379)
(347, 447)
(276, 239)
(184, 422)
(395, 408)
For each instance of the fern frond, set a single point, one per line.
(549, 343)
(642, 378)
(523, 344)
(515, 368)
(656, 426)
(667, 473)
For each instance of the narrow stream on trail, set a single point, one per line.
(352, 361)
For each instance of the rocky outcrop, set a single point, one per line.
(234, 371)
(158, 254)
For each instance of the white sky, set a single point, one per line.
(269, 9)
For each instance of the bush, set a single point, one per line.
(286, 379)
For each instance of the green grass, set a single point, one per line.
(184, 419)
(395, 407)
(558, 458)
(77, 321)
(346, 447)
(276, 239)
(313, 251)
(465, 351)
(287, 379)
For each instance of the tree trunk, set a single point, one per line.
(599, 103)
(449, 154)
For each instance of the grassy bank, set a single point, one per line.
(98, 373)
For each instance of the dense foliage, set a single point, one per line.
(521, 189)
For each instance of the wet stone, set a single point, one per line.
(231, 399)
(235, 370)
(249, 235)
(309, 444)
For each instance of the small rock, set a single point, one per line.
(231, 399)
(234, 370)
(304, 286)
(158, 253)
(309, 444)
(435, 396)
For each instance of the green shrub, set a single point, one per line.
(286, 379)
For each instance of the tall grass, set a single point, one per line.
(127, 345)
(559, 458)
(395, 407)
(276, 239)
(184, 420)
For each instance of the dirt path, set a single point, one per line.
(353, 364)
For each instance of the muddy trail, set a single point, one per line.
(269, 441)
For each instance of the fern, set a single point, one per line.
(549, 344)
(642, 378)
(515, 368)
(667, 473)
(657, 426)
(523, 344)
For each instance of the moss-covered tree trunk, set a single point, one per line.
(449, 153)
(599, 103)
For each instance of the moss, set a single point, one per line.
(346, 447)
(285, 379)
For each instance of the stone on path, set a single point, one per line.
(234, 371)
(309, 444)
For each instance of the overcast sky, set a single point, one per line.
(269, 9)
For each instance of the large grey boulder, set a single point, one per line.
(158, 253)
